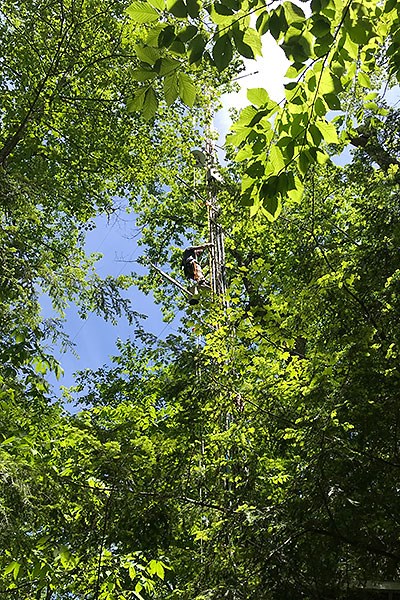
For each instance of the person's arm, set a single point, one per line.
(202, 247)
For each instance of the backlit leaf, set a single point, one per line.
(136, 103)
(147, 54)
(143, 74)
(222, 52)
(364, 80)
(257, 96)
(171, 91)
(328, 131)
(142, 12)
(158, 4)
(187, 90)
(252, 38)
(150, 104)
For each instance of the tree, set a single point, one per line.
(69, 150)
(60, 501)
(272, 426)
(337, 49)
(254, 454)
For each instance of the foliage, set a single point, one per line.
(334, 54)
(60, 502)
(257, 450)
(69, 151)
(255, 453)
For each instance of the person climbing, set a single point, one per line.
(191, 265)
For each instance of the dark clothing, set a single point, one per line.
(191, 267)
(188, 258)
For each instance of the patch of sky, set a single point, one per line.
(116, 237)
(94, 339)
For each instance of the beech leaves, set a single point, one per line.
(332, 53)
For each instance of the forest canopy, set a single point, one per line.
(255, 453)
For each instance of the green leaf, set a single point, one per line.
(187, 33)
(65, 556)
(196, 48)
(360, 32)
(272, 207)
(364, 80)
(178, 8)
(143, 74)
(256, 170)
(150, 104)
(295, 70)
(160, 571)
(293, 13)
(243, 49)
(316, 134)
(222, 52)
(234, 4)
(147, 54)
(285, 182)
(269, 197)
(304, 161)
(167, 36)
(13, 568)
(328, 131)
(253, 39)
(246, 198)
(328, 83)
(297, 48)
(276, 159)
(187, 90)
(167, 66)
(332, 101)
(276, 24)
(262, 23)
(132, 572)
(171, 91)
(257, 96)
(321, 26)
(156, 568)
(323, 45)
(142, 12)
(222, 9)
(193, 7)
(320, 107)
(153, 35)
(178, 47)
(238, 136)
(158, 4)
(136, 103)
(246, 115)
(322, 157)
(390, 5)
(296, 194)
(244, 153)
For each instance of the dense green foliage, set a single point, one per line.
(69, 151)
(255, 454)
(334, 54)
(274, 433)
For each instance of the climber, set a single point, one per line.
(191, 265)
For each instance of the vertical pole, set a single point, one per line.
(216, 234)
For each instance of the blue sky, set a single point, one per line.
(93, 337)
(115, 239)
